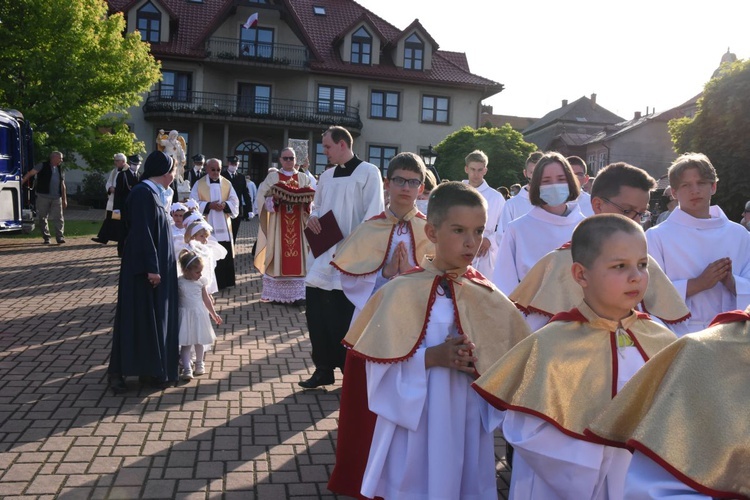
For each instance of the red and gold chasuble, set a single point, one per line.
(282, 248)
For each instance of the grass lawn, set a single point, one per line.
(72, 228)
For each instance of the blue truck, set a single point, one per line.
(16, 158)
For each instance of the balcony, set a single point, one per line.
(235, 51)
(228, 107)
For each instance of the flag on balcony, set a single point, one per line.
(252, 21)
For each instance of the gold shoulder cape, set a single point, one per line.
(566, 372)
(549, 288)
(394, 322)
(366, 249)
(688, 408)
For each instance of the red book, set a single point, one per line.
(329, 235)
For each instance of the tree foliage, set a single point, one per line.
(73, 73)
(505, 148)
(720, 130)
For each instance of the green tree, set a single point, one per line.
(720, 130)
(505, 148)
(73, 73)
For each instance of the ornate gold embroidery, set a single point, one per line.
(291, 238)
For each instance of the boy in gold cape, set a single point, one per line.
(379, 249)
(425, 335)
(556, 381)
(685, 416)
(549, 288)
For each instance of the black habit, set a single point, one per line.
(145, 336)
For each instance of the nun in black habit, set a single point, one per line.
(144, 340)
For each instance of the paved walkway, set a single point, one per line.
(243, 430)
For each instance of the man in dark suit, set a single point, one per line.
(240, 187)
(196, 172)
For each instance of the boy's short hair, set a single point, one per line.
(406, 161)
(533, 158)
(476, 156)
(577, 160)
(589, 236)
(691, 160)
(429, 180)
(609, 180)
(339, 134)
(536, 178)
(451, 194)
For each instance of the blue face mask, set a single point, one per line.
(554, 194)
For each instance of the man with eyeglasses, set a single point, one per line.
(283, 200)
(353, 191)
(581, 172)
(218, 202)
(476, 168)
(548, 287)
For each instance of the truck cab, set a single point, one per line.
(16, 158)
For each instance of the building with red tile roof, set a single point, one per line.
(305, 65)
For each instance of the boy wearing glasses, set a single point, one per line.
(281, 250)
(476, 169)
(380, 249)
(549, 288)
(706, 255)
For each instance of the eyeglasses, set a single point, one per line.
(630, 214)
(287, 158)
(400, 182)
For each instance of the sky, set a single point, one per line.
(633, 55)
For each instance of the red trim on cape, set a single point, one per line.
(594, 438)
(502, 405)
(730, 317)
(420, 339)
(381, 215)
(415, 269)
(667, 321)
(637, 445)
(615, 364)
(565, 246)
(420, 215)
(638, 346)
(475, 276)
(572, 315)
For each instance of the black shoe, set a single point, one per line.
(60, 241)
(117, 384)
(45, 242)
(99, 240)
(320, 377)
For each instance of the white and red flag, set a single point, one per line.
(251, 22)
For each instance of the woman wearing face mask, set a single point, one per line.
(546, 227)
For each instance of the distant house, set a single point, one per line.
(305, 65)
(518, 123)
(568, 128)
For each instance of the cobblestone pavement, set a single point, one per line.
(243, 430)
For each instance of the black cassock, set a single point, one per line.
(145, 340)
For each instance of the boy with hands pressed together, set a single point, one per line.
(424, 336)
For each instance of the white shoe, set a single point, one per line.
(200, 369)
(187, 374)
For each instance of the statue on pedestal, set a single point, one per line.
(173, 144)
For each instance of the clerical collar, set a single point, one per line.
(347, 168)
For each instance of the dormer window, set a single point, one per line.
(148, 20)
(361, 47)
(413, 52)
(319, 10)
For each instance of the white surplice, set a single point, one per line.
(219, 222)
(359, 289)
(646, 480)
(433, 437)
(353, 199)
(550, 465)
(528, 239)
(495, 204)
(515, 207)
(684, 246)
(584, 204)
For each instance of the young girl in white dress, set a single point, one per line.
(195, 313)
(198, 239)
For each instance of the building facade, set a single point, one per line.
(242, 77)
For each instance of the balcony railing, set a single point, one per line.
(211, 104)
(277, 54)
